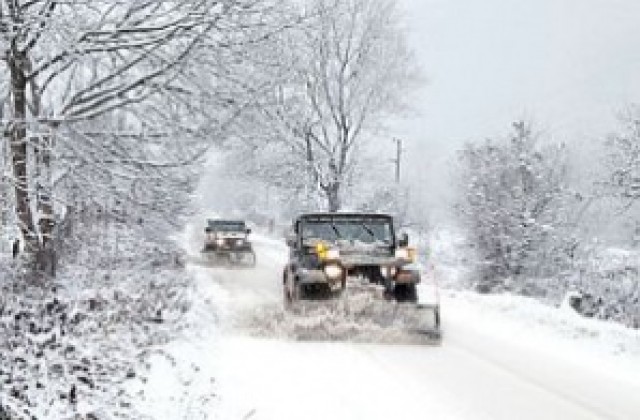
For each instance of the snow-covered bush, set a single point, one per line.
(621, 180)
(68, 347)
(515, 207)
(605, 284)
(609, 282)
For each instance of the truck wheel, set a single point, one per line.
(252, 259)
(286, 294)
(436, 317)
(299, 291)
(288, 302)
(405, 293)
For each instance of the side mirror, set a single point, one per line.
(291, 240)
(207, 229)
(248, 231)
(403, 240)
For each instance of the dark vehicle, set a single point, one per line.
(329, 249)
(227, 242)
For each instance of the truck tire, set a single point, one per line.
(299, 291)
(249, 258)
(405, 293)
(286, 294)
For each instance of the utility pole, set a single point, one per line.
(398, 158)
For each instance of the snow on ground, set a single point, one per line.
(518, 318)
(503, 357)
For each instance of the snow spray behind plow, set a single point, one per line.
(358, 316)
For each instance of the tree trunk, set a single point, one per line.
(333, 196)
(16, 64)
(45, 205)
(47, 253)
(5, 188)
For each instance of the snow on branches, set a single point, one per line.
(70, 348)
(516, 207)
(115, 101)
(337, 77)
(621, 180)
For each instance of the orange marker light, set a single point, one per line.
(321, 250)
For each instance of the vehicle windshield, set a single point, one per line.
(363, 230)
(226, 226)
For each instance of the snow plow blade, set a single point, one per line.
(431, 335)
(423, 321)
(360, 314)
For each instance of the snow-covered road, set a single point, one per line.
(487, 367)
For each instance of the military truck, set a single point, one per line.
(327, 250)
(227, 242)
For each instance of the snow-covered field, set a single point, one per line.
(503, 357)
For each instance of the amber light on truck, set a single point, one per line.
(408, 254)
(326, 253)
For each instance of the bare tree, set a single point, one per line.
(92, 87)
(337, 78)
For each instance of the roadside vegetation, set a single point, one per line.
(541, 225)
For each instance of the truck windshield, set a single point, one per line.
(226, 226)
(368, 231)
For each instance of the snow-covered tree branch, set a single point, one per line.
(337, 78)
(122, 68)
(623, 163)
(516, 207)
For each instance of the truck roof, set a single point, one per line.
(223, 222)
(321, 216)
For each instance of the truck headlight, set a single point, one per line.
(239, 241)
(407, 254)
(388, 272)
(402, 253)
(333, 271)
(219, 242)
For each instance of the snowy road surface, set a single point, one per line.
(487, 367)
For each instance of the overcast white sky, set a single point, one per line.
(569, 65)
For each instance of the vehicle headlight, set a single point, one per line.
(219, 242)
(333, 271)
(388, 271)
(239, 241)
(402, 253)
(407, 254)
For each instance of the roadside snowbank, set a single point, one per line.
(560, 332)
(180, 383)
